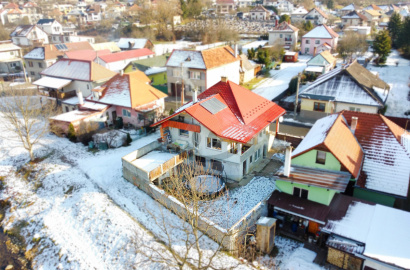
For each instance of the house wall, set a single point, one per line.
(52, 29)
(351, 22)
(315, 17)
(158, 79)
(308, 159)
(248, 75)
(231, 71)
(312, 44)
(199, 83)
(84, 87)
(316, 194)
(33, 70)
(275, 38)
(362, 108)
(135, 119)
(307, 106)
(372, 196)
(295, 18)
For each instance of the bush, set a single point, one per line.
(129, 140)
(119, 124)
(71, 133)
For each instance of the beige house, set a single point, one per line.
(354, 18)
(284, 34)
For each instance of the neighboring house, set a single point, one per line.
(3, 16)
(344, 88)
(227, 126)
(284, 6)
(290, 57)
(10, 58)
(316, 16)
(361, 30)
(131, 97)
(321, 63)
(64, 78)
(285, 35)
(259, 13)
(111, 46)
(354, 18)
(359, 237)
(79, 16)
(373, 16)
(55, 39)
(42, 57)
(319, 35)
(50, 26)
(246, 3)
(93, 13)
(154, 68)
(31, 8)
(247, 70)
(298, 14)
(225, 6)
(65, 9)
(29, 35)
(135, 43)
(200, 69)
(134, 10)
(373, 7)
(118, 61)
(56, 14)
(347, 9)
(15, 16)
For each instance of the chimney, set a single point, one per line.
(288, 155)
(353, 125)
(235, 48)
(224, 79)
(122, 72)
(80, 97)
(195, 97)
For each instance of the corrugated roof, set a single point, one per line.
(125, 55)
(317, 177)
(81, 70)
(51, 82)
(386, 166)
(129, 90)
(246, 114)
(333, 133)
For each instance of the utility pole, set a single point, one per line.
(297, 96)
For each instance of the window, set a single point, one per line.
(300, 192)
(126, 113)
(317, 41)
(354, 109)
(183, 133)
(319, 107)
(307, 41)
(306, 50)
(40, 65)
(250, 159)
(233, 148)
(176, 73)
(30, 63)
(320, 157)
(181, 118)
(195, 75)
(66, 39)
(281, 36)
(213, 143)
(108, 115)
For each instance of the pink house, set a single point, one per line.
(131, 97)
(314, 39)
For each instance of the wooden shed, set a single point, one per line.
(291, 57)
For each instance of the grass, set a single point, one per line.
(251, 84)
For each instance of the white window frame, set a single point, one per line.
(126, 113)
(183, 133)
(212, 142)
(317, 41)
(176, 73)
(196, 75)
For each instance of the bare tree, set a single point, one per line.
(186, 193)
(352, 44)
(26, 115)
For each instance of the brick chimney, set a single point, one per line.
(353, 125)
(224, 79)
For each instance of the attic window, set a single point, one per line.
(188, 59)
(321, 157)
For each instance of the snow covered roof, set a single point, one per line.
(155, 70)
(368, 223)
(205, 59)
(349, 7)
(128, 90)
(353, 84)
(152, 160)
(318, 69)
(81, 70)
(321, 31)
(132, 43)
(299, 11)
(73, 116)
(112, 46)
(321, 12)
(36, 53)
(51, 82)
(329, 132)
(22, 30)
(386, 166)
(8, 45)
(354, 15)
(244, 115)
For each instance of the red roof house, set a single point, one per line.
(118, 61)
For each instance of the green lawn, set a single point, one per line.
(251, 84)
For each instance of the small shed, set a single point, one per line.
(291, 57)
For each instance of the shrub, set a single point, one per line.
(129, 140)
(71, 133)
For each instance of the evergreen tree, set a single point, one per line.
(284, 18)
(184, 9)
(404, 38)
(71, 133)
(129, 140)
(330, 4)
(307, 26)
(394, 26)
(382, 45)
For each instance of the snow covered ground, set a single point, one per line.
(279, 80)
(81, 212)
(398, 78)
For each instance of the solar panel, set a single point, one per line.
(213, 105)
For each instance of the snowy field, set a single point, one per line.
(82, 214)
(279, 80)
(398, 77)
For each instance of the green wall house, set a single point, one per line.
(318, 159)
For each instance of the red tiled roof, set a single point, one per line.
(321, 12)
(114, 57)
(245, 114)
(331, 32)
(11, 6)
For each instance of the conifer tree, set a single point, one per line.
(394, 26)
(382, 45)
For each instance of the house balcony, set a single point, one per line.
(182, 125)
(288, 39)
(52, 93)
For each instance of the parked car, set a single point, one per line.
(278, 67)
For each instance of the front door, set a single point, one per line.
(114, 117)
